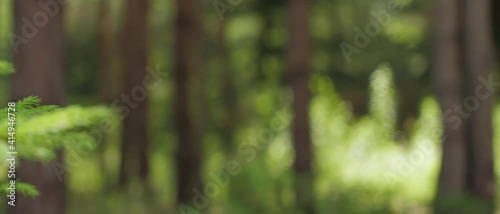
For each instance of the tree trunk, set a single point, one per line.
(449, 86)
(106, 38)
(299, 71)
(496, 23)
(39, 71)
(228, 91)
(189, 100)
(479, 64)
(107, 76)
(265, 9)
(135, 138)
(463, 33)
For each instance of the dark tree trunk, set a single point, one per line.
(189, 100)
(299, 72)
(107, 76)
(265, 9)
(463, 33)
(39, 71)
(409, 97)
(479, 58)
(495, 6)
(135, 140)
(448, 82)
(106, 38)
(228, 91)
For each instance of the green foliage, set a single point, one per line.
(65, 126)
(41, 130)
(26, 189)
(28, 108)
(6, 68)
(360, 199)
(21, 187)
(462, 204)
(382, 96)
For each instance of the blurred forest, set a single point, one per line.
(243, 107)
